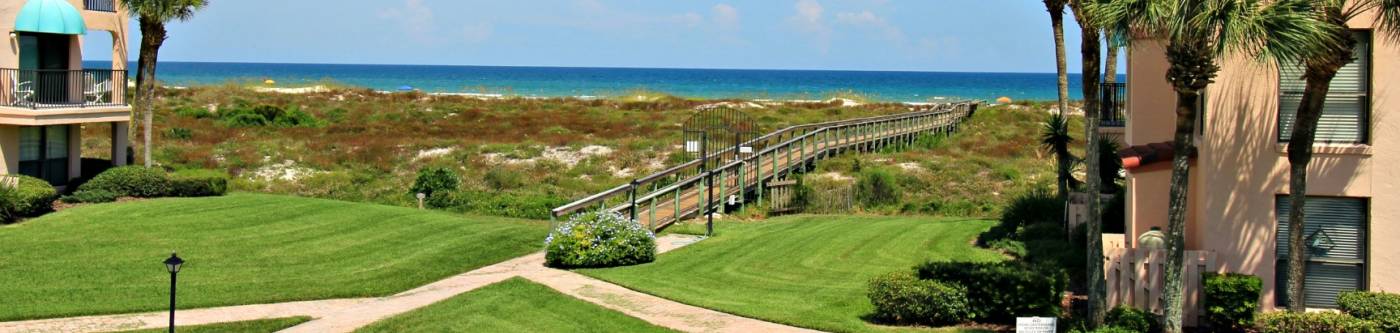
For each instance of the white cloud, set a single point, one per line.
(415, 18)
(868, 20)
(809, 20)
(725, 17)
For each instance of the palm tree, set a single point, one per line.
(152, 16)
(1089, 51)
(1197, 33)
(1055, 139)
(1319, 70)
(1057, 22)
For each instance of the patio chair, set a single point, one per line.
(96, 91)
(21, 93)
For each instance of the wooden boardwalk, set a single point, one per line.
(680, 192)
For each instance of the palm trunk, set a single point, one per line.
(152, 37)
(1098, 300)
(1110, 71)
(1057, 21)
(1192, 69)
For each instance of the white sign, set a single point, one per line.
(746, 149)
(692, 146)
(1035, 325)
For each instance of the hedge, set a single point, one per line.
(902, 298)
(1001, 291)
(1309, 322)
(1381, 308)
(31, 197)
(1231, 300)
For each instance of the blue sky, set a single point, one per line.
(926, 35)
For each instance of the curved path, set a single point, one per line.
(347, 315)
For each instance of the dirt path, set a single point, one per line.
(347, 315)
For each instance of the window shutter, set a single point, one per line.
(1335, 229)
(1345, 113)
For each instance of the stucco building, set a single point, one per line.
(1239, 179)
(48, 93)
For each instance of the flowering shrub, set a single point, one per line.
(599, 239)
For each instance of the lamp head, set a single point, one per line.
(173, 263)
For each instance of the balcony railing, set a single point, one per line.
(61, 88)
(101, 5)
(1113, 111)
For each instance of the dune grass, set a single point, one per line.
(514, 305)
(251, 326)
(808, 271)
(240, 249)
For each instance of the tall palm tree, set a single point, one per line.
(1318, 71)
(152, 15)
(1056, 8)
(1197, 33)
(1110, 65)
(1089, 52)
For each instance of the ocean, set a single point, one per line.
(603, 82)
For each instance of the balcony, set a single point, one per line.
(101, 5)
(1112, 101)
(40, 89)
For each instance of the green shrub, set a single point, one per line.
(90, 196)
(1134, 320)
(877, 188)
(193, 112)
(263, 115)
(1231, 300)
(178, 133)
(599, 239)
(32, 197)
(1309, 322)
(1001, 291)
(130, 181)
(198, 184)
(1106, 329)
(1381, 308)
(503, 179)
(435, 179)
(1011, 247)
(900, 297)
(518, 205)
(1036, 207)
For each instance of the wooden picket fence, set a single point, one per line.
(1135, 279)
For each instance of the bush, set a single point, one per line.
(900, 297)
(90, 196)
(193, 112)
(432, 180)
(178, 133)
(599, 239)
(198, 183)
(1001, 291)
(1134, 320)
(1381, 308)
(1231, 300)
(32, 197)
(877, 188)
(1035, 207)
(1106, 329)
(1308, 322)
(130, 181)
(525, 206)
(503, 179)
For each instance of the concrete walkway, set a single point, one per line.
(347, 315)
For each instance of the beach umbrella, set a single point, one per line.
(405, 88)
(269, 82)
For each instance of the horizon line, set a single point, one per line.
(599, 67)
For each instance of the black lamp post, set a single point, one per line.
(172, 264)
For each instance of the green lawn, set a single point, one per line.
(251, 326)
(240, 249)
(807, 271)
(514, 305)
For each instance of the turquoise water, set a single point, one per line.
(575, 81)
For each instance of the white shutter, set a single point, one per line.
(1335, 229)
(1345, 114)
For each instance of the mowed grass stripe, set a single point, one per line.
(241, 249)
(807, 271)
(513, 305)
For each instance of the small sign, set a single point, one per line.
(746, 150)
(692, 146)
(1035, 325)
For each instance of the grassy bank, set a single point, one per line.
(514, 305)
(807, 271)
(240, 249)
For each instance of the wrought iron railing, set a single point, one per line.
(665, 197)
(61, 88)
(1112, 103)
(101, 5)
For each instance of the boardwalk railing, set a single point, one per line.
(673, 194)
(1136, 277)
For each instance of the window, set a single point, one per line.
(1335, 232)
(43, 153)
(1346, 113)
